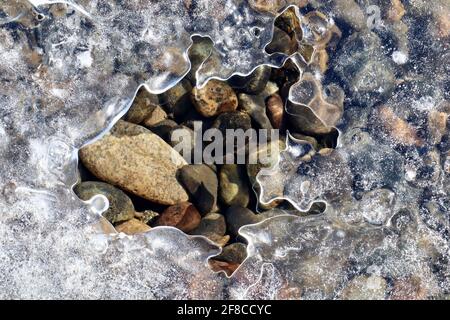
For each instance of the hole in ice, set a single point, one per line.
(99, 204)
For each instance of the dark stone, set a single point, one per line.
(237, 217)
(235, 252)
(120, 206)
(253, 83)
(201, 183)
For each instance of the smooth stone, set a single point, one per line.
(164, 129)
(214, 98)
(235, 252)
(303, 120)
(120, 206)
(211, 224)
(138, 161)
(213, 227)
(275, 110)
(201, 183)
(256, 108)
(200, 50)
(183, 216)
(253, 83)
(233, 185)
(143, 106)
(176, 101)
(237, 217)
(281, 42)
(232, 120)
(133, 226)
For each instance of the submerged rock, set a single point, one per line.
(133, 226)
(214, 98)
(254, 83)
(183, 216)
(201, 183)
(136, 160)
(233, 185)
(120, 206)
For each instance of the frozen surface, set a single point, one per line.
(70, 69)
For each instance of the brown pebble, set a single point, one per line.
(227, 267)
(214, 98)
(132, 226)
(183, 216)
(275, 110)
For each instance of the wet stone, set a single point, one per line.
(213, 227)
(254, 83)
(237, 217)
(143, 106)
(120, 206)
(256, 108)
(201, 183)
(214, 98)
(233, 186)
(133, 226)
(275, 110)
(235, 252)
(183, 216)
(232, 120)
(176, 100)
(138, 161)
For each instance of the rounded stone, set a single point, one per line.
(233, 186)
(120, 206)
(138, 161)
(214, 98)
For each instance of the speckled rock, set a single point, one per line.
(214, 98)
(395, 128)
(133, 226)
(138, 161)
(233, 185)
(120, 206)
(183, 216)
(201, 183)
(143, 106)
(147, 216)
(232, 120)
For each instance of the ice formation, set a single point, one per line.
(70, 69)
